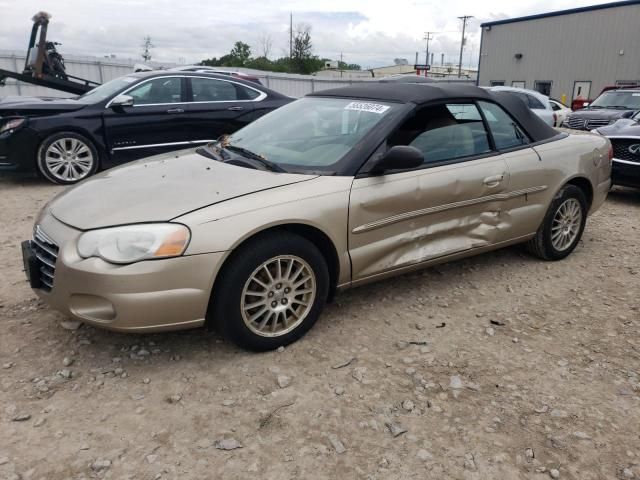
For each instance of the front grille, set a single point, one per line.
(581, 123)
(46, 252)
(591, 124)
(576, 122)
(621, 149)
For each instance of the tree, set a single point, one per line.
(302, 60)
(146, 48)
(302, 50)
(348, 66)
(266, 43)
(239, 54)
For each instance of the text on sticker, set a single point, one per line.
(367, 107)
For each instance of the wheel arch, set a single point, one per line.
(584, 184)
(315, 235)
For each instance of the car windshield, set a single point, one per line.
(628, 100)
(106, 90)
(311, 133)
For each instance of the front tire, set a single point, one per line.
(562, 227)
(270, 292)
(67, 158)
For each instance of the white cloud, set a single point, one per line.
(371, 33)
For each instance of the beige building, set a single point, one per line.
(564, 54)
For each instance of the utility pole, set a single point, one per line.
(290, 41)
(462, 42)
(428, 38)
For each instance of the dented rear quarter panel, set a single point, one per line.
(579, 155)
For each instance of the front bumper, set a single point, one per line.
(18, 150)
(625, 173)
(147, 296)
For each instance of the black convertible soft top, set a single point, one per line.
(420, 94)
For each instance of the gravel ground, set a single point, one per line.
(496, 367)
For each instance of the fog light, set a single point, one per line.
(92, 307)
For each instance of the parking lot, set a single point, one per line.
(501, 366)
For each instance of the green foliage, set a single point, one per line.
(239, 54)
(301, 61)
(348, 66)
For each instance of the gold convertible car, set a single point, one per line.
(253, 234)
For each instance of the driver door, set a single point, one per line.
(453, 203)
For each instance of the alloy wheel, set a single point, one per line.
(69, 159)
(278, 296)
(566, 224)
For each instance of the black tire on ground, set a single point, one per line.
(89, 156)
(541, 245)
(225, 309)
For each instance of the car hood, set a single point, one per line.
(159, 189)
(624, 127)
(600, 113)
(38, 105)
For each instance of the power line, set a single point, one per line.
(462, 42)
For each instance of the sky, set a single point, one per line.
(370, 33)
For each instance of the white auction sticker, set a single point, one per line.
(367, 107)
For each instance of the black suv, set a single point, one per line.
(605, 110)
(625, 140)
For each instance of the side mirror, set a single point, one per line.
(122, 101)
(400, 157)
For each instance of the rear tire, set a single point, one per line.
(67, 158)
(562, 227)
(270, 292)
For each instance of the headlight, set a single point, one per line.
(133, 243)
(12, 124)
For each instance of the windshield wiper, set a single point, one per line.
(274, 167)
(211, 153)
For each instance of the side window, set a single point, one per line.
(246, 93)
(555, 106)
(158, 90)
(504, 129)
(444, 132)
(535, 103)
(211, 90)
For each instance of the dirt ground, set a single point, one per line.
(497, 367)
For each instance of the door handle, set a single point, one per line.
(235, 109)
(493, 180)
(175, 110)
